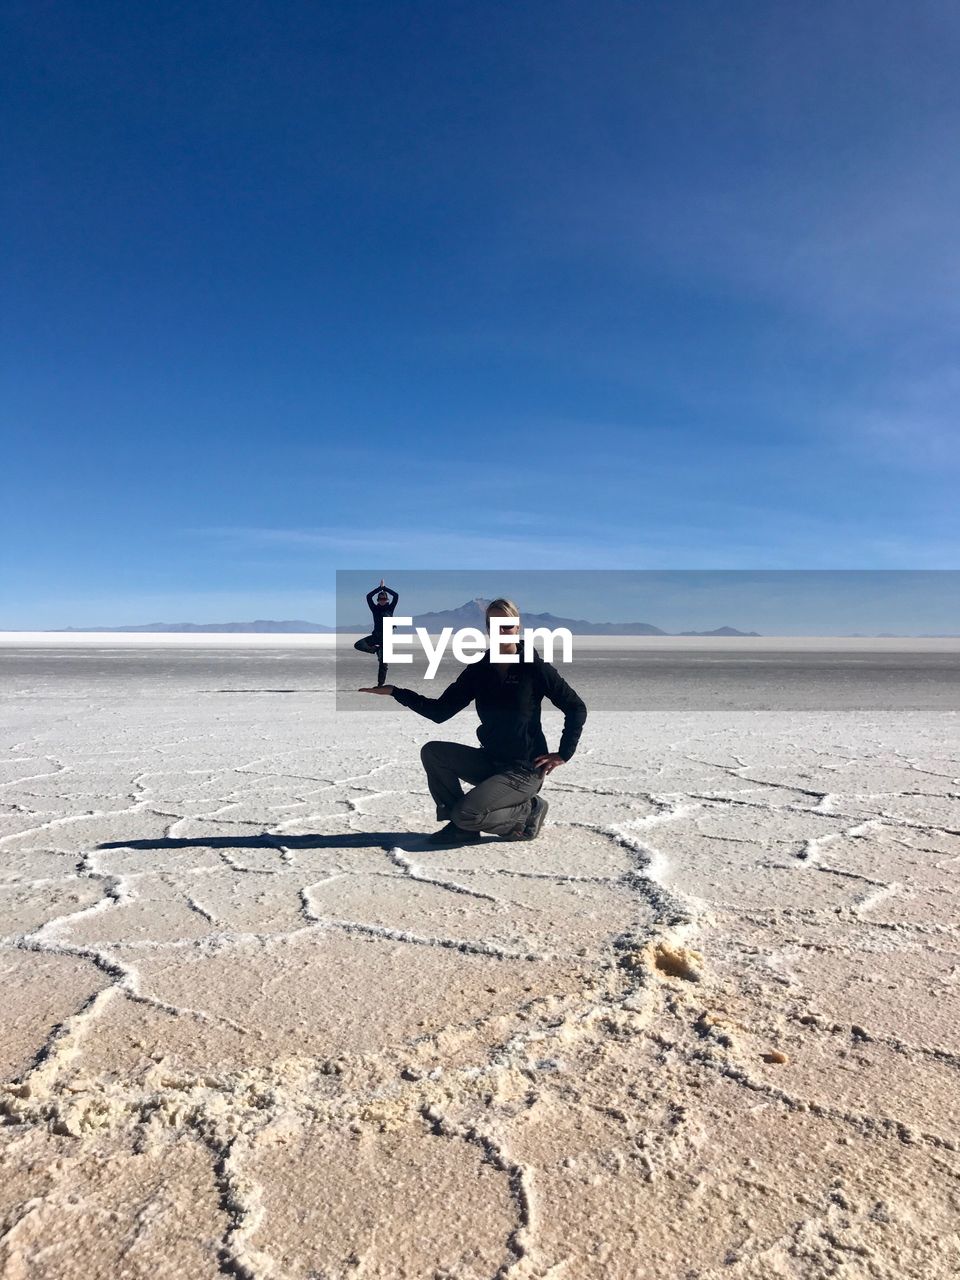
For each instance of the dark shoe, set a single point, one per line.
(537, 818)
(452, 834)
(531, 828)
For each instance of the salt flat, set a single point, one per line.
(707, 1025)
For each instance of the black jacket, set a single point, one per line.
(381, 611)
(508, 698)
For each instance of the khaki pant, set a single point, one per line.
(501, 799)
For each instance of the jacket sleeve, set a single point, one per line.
(453, 699)
(396, 597)
(371, 596)
(570, 703)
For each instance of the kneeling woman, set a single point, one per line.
(509, 766)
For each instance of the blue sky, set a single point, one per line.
(297, 287)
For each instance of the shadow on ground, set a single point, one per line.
(344, 840)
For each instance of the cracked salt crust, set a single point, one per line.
(707, 1023)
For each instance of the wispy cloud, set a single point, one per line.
(467, 547)
(911, 421)
(778, 540)
(862, 255)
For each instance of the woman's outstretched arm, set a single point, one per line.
(453, 699)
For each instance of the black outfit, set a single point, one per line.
(380, 611)
(508, 698)
(373, 643)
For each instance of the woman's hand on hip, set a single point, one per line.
(547, 764)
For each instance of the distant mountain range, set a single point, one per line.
(260, 627)
(469, 614)
(473, 614)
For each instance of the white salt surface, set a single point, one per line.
(707, 1025)
(320, 640)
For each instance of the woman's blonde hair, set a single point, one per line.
(502, 606)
